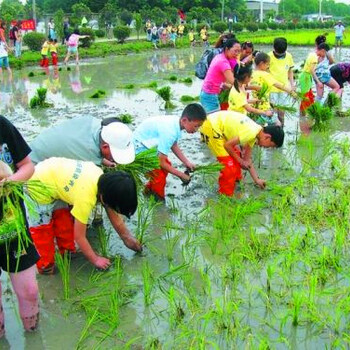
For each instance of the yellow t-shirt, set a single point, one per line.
(279, 69)
(53, 48)
(310, 61)
(181, 29)
(260, 77)
(237, 101)
(45, 48)
(191, 36)
(203, 34)
(225, 125)
(72, 181)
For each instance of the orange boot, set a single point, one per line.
(231, 173)
(63, 229)
(157, 181)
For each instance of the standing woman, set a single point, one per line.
(18, 40)
(4, 49)
(219, 75)
(51, 27)
(72, 45)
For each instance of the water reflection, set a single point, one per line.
(7, 105)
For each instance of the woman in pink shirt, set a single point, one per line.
(219, 74)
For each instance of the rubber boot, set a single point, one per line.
(63, 229)
(231, 173)
(157, 182)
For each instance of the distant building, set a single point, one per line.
(312, 17)
(267, 5)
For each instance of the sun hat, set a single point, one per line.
(119, 138)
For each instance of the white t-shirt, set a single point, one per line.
(339, 30)
(3, 51)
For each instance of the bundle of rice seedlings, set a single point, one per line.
(333, 101)
(287, 109)
(125, 118)
(342, 114)
(261, 94)
(187, 80)
(172, 78)
(165, 94)
(31, 74)
(98, 94)
(187, 98)
(152, 85)
(144, 162)
(208, 169)
(39, 99)
(223, 96)
(320, 115)
(126, 86)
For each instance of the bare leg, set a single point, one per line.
(319, 93)
(334, 86)
(77, 58)
(2, 318)
(26, 288)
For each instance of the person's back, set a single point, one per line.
(76, 138)
(73, 40)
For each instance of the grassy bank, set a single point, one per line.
(111, 48)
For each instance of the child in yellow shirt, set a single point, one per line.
(191, 37)
(44, 53)
(281, 64)
(223, 131)
(53, 52)
(238, 100)
(261, 77)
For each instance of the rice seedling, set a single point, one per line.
(165, 94)
(39, 99)
(126, 86)
(283, 108)
(152, 85)
(208, 169)
(148, 283)
(144, 162)
(172, 78)
(63, 264)
(31, 74)
(126, 118)
(333, 101)
(145, 210)
(261, 93)
(188, 99)
(187, 80)
(223, 96)
(170, 241)
(320, 115)
(103, 239)
(98, 94)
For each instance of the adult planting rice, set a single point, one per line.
(340, 72)
(17, 256)
(224, 132)
(81, 185)
(219, 74)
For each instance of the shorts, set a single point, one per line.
(72, 50)
(338, 38)
(13, 261)
(279, 98)
(337, 75)
(210, 102)
(324, 78)
(4, 62)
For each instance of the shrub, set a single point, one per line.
(126, 16)
(282, 26)
(329, 24)
(272, 25)
(291, 25)
(100, 33)
(252, 27)
(262, 26)
(320, 25)
(86, 42)
(121, 33)
(237, 27)
(299, 25)
(312, 25)
(34, 40)
(220, 26)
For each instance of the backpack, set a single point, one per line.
(202, 66)
(73, 40)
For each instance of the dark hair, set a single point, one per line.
(241, 73)
(118, 191)
(277, 134)
(223, 38)
(320, 39)
(280, 45)
(76, 31)
(230, 43)
(194, 111)
(323, 46)
(109, 120)
(247, 45)
(261, 57)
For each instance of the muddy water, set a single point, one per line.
(69, 91)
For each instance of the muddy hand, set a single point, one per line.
(186, 179)
(133, 244)
(261, 183)
(102, 263)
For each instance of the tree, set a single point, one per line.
(58, 20)
(138, 24)
(10, 10)
(108, 15)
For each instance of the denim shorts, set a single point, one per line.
(72, 50)
(210, 102)
(4, 62)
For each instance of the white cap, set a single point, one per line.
(119, 138)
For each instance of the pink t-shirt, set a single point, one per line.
(215, 76)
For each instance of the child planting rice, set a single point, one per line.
(224, 131)
(17, 253)
(81, 185)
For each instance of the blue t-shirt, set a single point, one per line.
(161, 132)
(77, 138)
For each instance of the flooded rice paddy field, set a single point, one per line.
(268, 270)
